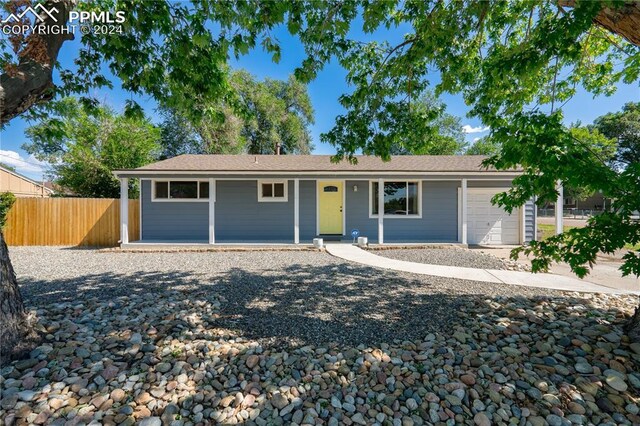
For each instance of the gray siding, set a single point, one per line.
(240, 217)
(529, 221)
(357, 213)
(308, 220)
(173, 220)
(439, 220)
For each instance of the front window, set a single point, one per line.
(180, 190)
(272, 191)
(401, 198)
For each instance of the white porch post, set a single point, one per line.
(212, 211)
(380, 211)
(124, 211)
(463, 211)
(559, 203)
(296, 211)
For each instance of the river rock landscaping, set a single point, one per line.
(185, 354)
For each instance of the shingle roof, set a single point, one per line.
(317, 163)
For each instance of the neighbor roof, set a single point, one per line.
(316, 163)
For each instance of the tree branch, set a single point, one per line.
(31, 81)
(623, 21)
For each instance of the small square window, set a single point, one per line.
(272, 191)
(162, 189)
(278, 190)
(204, 190)
(267, 190)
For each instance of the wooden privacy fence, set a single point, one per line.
(68, 222)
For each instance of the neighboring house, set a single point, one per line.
(21, 186)
(295, 198)
(595, 202)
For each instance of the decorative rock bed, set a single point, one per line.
(161, 358)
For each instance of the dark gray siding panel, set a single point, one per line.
(307, 210)
(439, 220)
(173, 221)
(240, 217)
(357, 213)
(529, 221)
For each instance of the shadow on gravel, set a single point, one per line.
(295, 306)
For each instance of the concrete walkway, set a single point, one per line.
(557, 282)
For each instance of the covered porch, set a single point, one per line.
(444, 203)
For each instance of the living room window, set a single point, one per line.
(180, 190)
(401, 199)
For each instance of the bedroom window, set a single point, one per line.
(180, 190)
(272, 191)
(401, 199)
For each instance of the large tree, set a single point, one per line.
(446, 136)
(266, 114)
(85, 144)
(516, 63)
(624, 128)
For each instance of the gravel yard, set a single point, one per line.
(327, 298)
(444, 256)
(304, 338)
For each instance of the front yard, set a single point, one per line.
(304, 338)
(550, 230)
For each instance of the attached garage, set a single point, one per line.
(489, 224)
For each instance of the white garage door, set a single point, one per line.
(489, 224)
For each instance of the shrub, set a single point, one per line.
(6, 201)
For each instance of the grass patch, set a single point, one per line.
(550, 230)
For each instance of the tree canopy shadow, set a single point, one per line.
(300, 304)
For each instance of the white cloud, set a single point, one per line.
(476, 139)
(468, 129)
(21, 164)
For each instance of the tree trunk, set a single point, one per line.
(16, 332)
(632, 328)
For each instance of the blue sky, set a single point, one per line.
(324, 93)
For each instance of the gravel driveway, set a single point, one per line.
(279, 297)
(444, 256)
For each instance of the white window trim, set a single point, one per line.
(262, 199)
(396, 216)
(178, 200)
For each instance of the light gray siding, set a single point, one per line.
(529, 221)
(439, 222)
(173, 220)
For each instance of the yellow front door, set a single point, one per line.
(330, 206)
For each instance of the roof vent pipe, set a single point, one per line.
(277, 148)
(255, 160)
